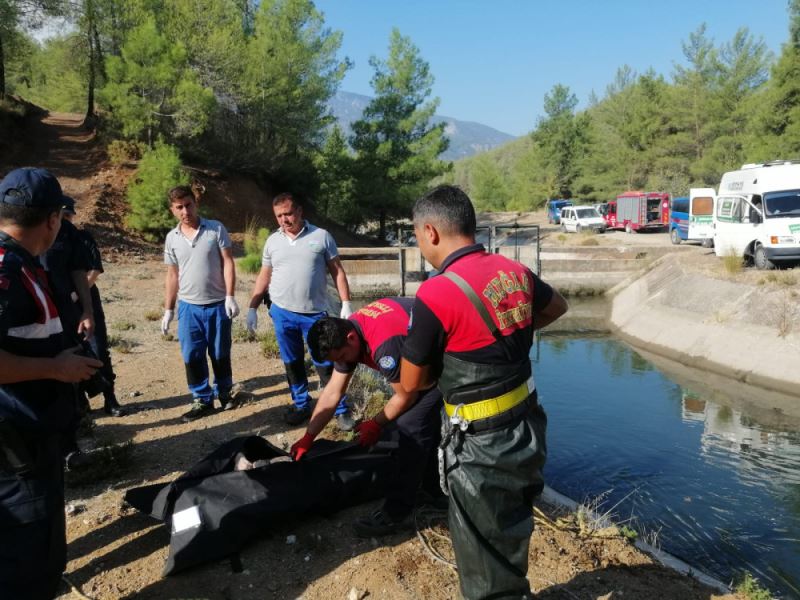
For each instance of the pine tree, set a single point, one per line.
(397, 146)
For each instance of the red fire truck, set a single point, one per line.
(634, 211)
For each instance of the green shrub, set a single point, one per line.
(250, 263)
(269, 344)
(159, 171)
(751, 589)
(254, 239)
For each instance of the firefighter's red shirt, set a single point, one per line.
(382, 326)
(444, 319)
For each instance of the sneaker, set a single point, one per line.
(379, 524)
(199, 409)
(345, 421)
(296, 416)
(228, 400)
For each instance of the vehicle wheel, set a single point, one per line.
(578, 228)
(708, 243)
(760, 259)
(563, 228)
(628, 228)
(674, 237)
(601, 230)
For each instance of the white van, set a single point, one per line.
(582, 218)
(757, 213)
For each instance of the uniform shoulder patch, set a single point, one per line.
(387, 362)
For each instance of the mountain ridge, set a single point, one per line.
(467, 138)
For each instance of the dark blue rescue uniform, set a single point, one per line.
(382, 327)
(34, 416)
(100, 339)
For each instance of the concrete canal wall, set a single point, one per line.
(747, 332)
(574, 270)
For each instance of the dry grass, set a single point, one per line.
(121, 344)
(783, 278)
(152, 315)
(269, 344)
(732, 264)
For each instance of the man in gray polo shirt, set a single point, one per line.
(201, 274)
(294, 267)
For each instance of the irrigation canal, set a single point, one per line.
(709, 467)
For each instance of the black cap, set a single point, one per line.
(69, 205)
(35, 188)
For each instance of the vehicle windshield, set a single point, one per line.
(782, 204)
(587, 213)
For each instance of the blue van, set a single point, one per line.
(691, 219)
(553, 209)
(679, 220)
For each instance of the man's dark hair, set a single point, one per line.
(449, 208)
(328, 333)
(284, 197)
(26, 216)
(180, 192)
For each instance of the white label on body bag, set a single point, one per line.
(188, 518)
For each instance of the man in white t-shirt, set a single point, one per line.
(294, 268)
(201, 275)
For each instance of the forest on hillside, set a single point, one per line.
(241, 85)
(244, 85)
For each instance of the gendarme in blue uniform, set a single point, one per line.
(32, 529)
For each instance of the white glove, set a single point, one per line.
(168, 314)
(231, 308)
(252, 320)
(347, 309)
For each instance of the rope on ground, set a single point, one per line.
(432, 552)
(75, 589)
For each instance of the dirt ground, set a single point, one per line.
(115, 552)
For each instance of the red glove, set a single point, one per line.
(368, 432)
(301, 446)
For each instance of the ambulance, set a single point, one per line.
(757, 214)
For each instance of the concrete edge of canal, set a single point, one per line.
(666, 559)
(750, 333)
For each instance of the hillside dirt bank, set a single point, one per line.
(115, 552)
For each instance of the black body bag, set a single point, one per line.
(214, 510)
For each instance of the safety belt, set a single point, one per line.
(472, 296)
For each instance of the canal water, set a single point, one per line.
(709, 467)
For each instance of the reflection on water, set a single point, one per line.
(714, 467)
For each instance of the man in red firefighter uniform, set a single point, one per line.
(373, 336)
(472, 329)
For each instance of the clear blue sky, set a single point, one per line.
(495, 60)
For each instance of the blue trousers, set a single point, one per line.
(205, 329)
(291, 332)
